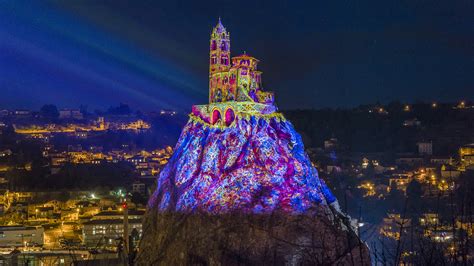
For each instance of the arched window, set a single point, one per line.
(214, 45)
(216, 116)
(224, 60)
(224, 46)
(213, 59)
(229, 116)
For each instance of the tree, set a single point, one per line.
(83, 110)
(49, 111)
(395, 199)
(64, 196)
(414, 192)
(414, 189)
(122, 109)
(138, 198)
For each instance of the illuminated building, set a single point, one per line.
(429, 219)
(330, 144)
(139, 187)
(107, 226)
(238, 152)
(449, 172)
(365, 163)
(369, 189)
(106, 232)
(465, 223)
(101, 123)
(412, 122)
(5, 153)
(394, 225)
(70, 113)
(466, 153)
(400, 182)
(239, 81)
(18, 236)
(425, 148)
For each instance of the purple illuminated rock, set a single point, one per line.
(256, 166)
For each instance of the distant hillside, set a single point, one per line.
(387, 128)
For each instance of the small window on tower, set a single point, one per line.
(213, 60)
(214, 45)
(224, 60)
(224, 46)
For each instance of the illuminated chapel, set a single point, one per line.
(239, 185)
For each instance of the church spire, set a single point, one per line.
(219, 56)
(219, 28)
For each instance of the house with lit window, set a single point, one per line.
(108, 232)
(393, 225)
(18, 235)
(466, 154)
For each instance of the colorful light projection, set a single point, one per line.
(239, 154)
(258, 165)
(239, 81)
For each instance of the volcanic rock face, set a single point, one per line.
(245, 195)
(258, 165)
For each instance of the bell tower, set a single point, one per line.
(219, 62)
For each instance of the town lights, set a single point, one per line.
(452, 249)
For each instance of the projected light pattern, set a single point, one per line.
(259, 166)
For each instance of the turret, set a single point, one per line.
(238, 80)
(219, 61)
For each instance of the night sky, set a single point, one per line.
(154, 54)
